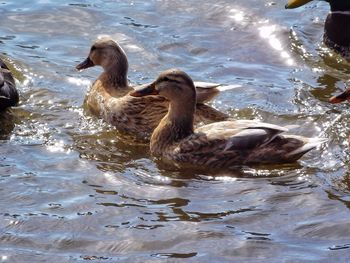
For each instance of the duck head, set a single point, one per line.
(106, 53)
(336, 5)
(173, 84)
(176, 86)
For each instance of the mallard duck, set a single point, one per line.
(337, 25)
(220, 145)
(8, 92)
(109, 95)
(345, 95)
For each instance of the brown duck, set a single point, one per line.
(109, 96)
(221, 145)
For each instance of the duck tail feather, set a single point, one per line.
(291, 126)
(310, 144)
(205, 85)
(228, 87)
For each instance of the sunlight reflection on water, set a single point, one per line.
(268, 32)
(74, 189)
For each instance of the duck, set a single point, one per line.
(219, 145)
(8, 93)
(337, 25)
(109, 96)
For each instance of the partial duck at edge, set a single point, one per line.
(8, 93)
(337, 25)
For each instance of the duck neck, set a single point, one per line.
(114, 79)
(115, 75)
(175, 126)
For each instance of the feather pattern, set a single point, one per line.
(109, 96)
(8, 93)
(223, 144)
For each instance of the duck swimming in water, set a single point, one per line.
(137, 116)
(337, 25)
(220, 145)
(8, 92)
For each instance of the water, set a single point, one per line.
(72, 190)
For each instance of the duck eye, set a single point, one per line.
(165, 78)
(93, 48)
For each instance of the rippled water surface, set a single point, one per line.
(73, 190)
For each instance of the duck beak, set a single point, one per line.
(296, 3)
(145, 90)
(87, 63)
(341, 97)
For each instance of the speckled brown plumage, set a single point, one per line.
(255, 146)
(108, 97)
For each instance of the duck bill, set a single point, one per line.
(341, 97)
(296, 3)
(145, 90)
(87, 63)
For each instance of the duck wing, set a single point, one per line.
(228, 136)
(242, 142)
(8, 93)
(241, 134)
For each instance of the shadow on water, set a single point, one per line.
(257, 171)
(110, 150)
(11, 118)
(333, 76)
(7, 124)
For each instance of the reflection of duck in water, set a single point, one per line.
(109, 99)
(218, 145)
(337, 25)
(8, 93)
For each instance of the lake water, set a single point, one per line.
(73, 190)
